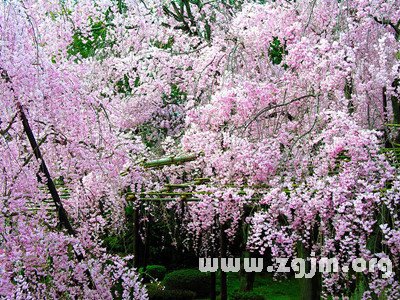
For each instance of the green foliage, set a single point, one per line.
(153, 272)
(122, 8)
(117, 290)
(244, 295)
(341, 158)
(189, 279)
(46, 279)
(121, 243)
(70, 251)
(165, 46)
(113, 243)
(267, 286)
(129, 211)
(177, 96)
(86, 46)
(181, 11)
(124, 87)
(207, 31)
(156, 292)
(276, 51)
(152, 134)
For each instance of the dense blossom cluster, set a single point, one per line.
(333, 211)
(286, 102)
(84, 151)
(307, 92)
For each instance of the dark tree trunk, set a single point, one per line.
(223, 252)
(62, 214)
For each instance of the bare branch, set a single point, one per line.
(268, 108)
(5, 130)
(387, 22)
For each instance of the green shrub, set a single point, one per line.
(242, 295)
(153, 272)
(189, 279)
(153, 287)
(156, 292)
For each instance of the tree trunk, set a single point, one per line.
(62, 214)
(223, 252)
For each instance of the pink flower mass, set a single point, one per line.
(292, 108)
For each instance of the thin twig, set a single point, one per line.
(264, 110)
(5, 130)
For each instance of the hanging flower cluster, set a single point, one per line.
(287, 104)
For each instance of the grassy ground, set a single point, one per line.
(288, 289)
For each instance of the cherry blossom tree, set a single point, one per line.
(288, 104)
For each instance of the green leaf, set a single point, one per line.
(276, 51)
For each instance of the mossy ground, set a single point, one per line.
(286, 289)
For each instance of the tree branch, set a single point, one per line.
(265, 109)
(388, 22)
(5, 130)
(62, 214)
